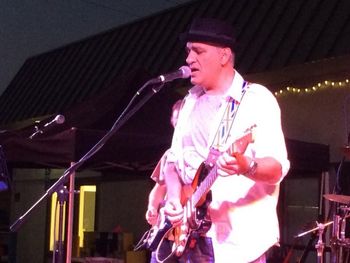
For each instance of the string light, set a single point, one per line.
(310, 90)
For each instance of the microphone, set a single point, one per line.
(59, 119)
(183, 72)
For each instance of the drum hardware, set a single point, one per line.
(339, 243)
(314, 229)
(320, 244)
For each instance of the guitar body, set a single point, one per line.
(196, 218)
(197, 215)
(157, 235)
(153, 236)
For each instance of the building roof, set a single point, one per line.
(272, 34)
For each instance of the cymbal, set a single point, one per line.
(344, 199)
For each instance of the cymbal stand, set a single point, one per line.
(320, 244)
(343, 222)
(334, 240)
(341, 239)
(338, 235)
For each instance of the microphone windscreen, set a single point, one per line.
(59, 119)
(186, 72)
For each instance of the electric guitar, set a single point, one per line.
(195, 200)
(197, 196)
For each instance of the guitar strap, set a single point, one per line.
(226, 123)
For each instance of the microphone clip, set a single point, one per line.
(37, 131)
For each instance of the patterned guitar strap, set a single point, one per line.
(222, 134)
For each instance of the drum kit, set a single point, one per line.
(339, 243)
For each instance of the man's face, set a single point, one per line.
(204, 61)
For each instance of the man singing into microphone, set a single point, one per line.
(233, 129)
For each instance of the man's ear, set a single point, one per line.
(226, 56)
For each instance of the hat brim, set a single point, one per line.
(205, 38)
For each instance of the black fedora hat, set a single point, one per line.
(211, 31)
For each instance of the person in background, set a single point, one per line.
(156, 197)
(158, 192)
(219, 110)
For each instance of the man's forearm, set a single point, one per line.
(267, 170)
(156, 196)
(172, 182)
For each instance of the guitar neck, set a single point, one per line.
(205, 185)
(238, 147)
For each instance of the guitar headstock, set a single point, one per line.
(241, 144)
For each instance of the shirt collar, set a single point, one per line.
(196, 91)
(236, 88)
(234, 92)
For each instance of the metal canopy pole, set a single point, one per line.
(71, 192)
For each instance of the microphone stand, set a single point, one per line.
(124, 116)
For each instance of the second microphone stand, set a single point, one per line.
(57, 186)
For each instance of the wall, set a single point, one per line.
(29, 186)
(320, 117)
(124, 204)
